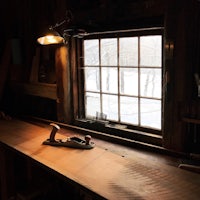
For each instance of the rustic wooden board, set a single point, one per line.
(36, 89)
(100, 171)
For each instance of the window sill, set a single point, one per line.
(121, 131)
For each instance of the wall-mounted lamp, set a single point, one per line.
(52, 36)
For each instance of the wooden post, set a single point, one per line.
(63, 85)
(176, 64)
(74, 77)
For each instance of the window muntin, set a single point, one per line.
(123, 79)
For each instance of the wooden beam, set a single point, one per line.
(74, 74)
(63, 84)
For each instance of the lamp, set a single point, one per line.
(52, 36)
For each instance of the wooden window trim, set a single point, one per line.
(78, 96)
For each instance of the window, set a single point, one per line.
(123, 78)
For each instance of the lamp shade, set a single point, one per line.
(51, 37)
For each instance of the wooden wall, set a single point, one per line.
(24, 19)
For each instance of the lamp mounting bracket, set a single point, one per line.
(68, 18)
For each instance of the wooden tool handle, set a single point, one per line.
(53, 132)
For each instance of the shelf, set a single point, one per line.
(36, 89)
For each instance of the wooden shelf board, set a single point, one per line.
(36, 89)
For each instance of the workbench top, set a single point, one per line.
(101, 171)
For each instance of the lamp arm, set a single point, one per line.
(58, 24)
(68, 19)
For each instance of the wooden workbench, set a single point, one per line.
(100, 171)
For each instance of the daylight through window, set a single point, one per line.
(123, 79)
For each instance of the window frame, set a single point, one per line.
(80, 119)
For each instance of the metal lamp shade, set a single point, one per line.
(51, 37)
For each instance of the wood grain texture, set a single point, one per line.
(63, 84)
(102, 172)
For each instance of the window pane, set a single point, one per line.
(92, 104)
(129, 81)
(109, 79)
(150, 51)
(91, 52)
(110, 106)
(128, 51)
(151, 113)
(109, 52)
(150, 82)
(92, 79)
(123, 79)
(129, 110)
